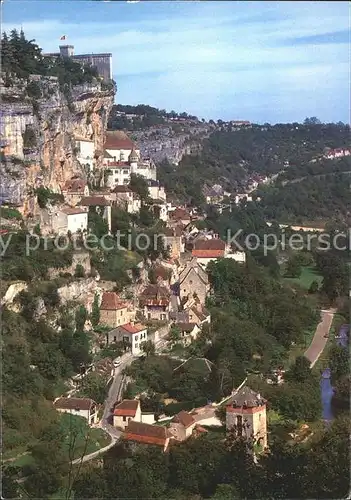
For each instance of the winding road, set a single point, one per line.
(320, 337)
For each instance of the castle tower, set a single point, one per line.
(133, 161)
(246, 412)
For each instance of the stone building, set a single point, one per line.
(193, 280)
(113, 311)
(246, 412)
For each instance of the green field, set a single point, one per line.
(79, 436)
(308, 275)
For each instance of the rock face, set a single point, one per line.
(82, 291)
(51, 121)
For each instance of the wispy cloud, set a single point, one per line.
(264, 61)
(342, 36)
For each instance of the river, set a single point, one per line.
(328, 413)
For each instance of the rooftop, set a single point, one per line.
(73, 403)
(184, 418)
(127, 408)
(208, 254)
(111, 302)
(133, 328)
(73, 211)
(211, 244)
(146, 433)
(94, 201)
(246, 397)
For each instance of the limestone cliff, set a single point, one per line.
(47, 157)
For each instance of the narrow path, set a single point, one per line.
(319, 339)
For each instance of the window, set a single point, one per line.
(126, 172)
(126, 181)
(114, 339)
(124, 419)
(136, 346)
(136, 338)
(191, 282)
(121, 313)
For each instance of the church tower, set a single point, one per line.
(246, 412)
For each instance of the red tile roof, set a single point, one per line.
(133, 328)
(180, 214)
(74, 403)
(94, 201)
(208, 254)
(111, 302)
(212, 244)
(146, 433)
(184, 418)
(155, 295)
(127, 408)
(118, 140)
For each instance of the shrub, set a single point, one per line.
(10, 213)
(34, 90)
(79, 271)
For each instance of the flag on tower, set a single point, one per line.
(63, 37)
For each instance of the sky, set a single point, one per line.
(260, 61)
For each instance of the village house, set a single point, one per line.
(193, 282)
(160, 210)
(246, 411)
(199, 315)
(242, 198)
(131, 334)
(122, 158)
(124, 412)
(337, 153)
(126, 199)
(173, 240)
(115, 312)
(180, 215)
(85, 150)
(156, 191)
(188, 332)
(182, 426)
(74, 189)
(147, 434)
(155, 302)
(101, 205)
(68, 219)
(82, 407)
(208, 250)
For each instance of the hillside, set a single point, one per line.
(44, 106)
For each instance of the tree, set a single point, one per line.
(94, 387)
(293, 268)
(148, 347)
(95, 312)
(314, 287)
(339, 362)
(81, 317)
(139, 185)
(174, 335)
(300, 371)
